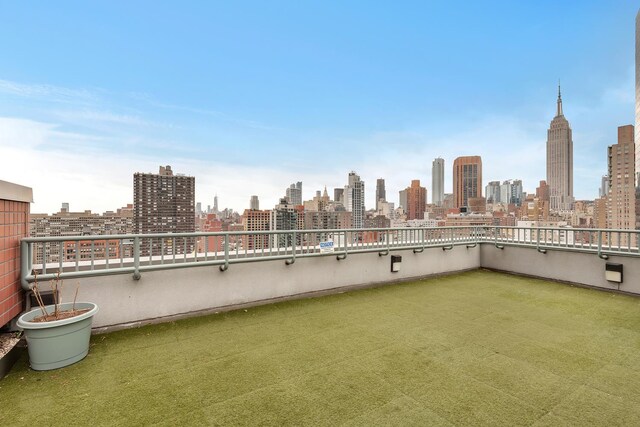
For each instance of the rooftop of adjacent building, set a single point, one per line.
(477, 348)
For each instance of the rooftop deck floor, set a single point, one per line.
(478, 348)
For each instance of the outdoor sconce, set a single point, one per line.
(395, 263)
(613, 272)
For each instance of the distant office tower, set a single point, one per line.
(215, 204)
(437, 180)
(403, 199)
(492, 191)
(164, 203)
(604, 186)
(621, 198)
(467, 180)
(338, 195)
(511, 192)
(354, 199)
(381, 192)
(416, 200)
(560, 161)
(294, 194)
(254, 203)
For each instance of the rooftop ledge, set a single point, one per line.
(232, 271)
(474, 348)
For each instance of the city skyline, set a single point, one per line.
(320, 107)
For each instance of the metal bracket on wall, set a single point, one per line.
(447, 248)
(383, 253)
(418, 251)
(341, 256)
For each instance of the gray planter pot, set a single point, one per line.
(59, 343)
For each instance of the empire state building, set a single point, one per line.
(560, 161)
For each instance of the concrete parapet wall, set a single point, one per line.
(159, 294)
(575, 267)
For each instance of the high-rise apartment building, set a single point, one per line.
(85, 223)
(467, 180)
(284, 217)
(294, 194)
(437, 181)
(255, 220)
(621, 209)
(416, 200)
(354, 199)
(560, 161)
(637, 128)
(381, 192)
(164, 203)
(254, 203)
(338, 195)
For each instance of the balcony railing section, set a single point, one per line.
(84, 256)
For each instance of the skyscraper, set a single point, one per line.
(403, 199)
(215, 204)
(294, 194)
(416, 200)
(621, 209)
(560, 161)
(492, 191)
(604, 186)
(164, 203)
(467, 180)
(354, 199)
(381, 192)
(284, 217)
(254, 203)
(437, 180)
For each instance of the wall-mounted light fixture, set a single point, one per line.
(613, 272)
(395, 263)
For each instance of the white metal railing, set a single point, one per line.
(84, 256)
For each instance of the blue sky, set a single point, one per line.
(249, 97)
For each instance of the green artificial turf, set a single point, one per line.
(478, 348)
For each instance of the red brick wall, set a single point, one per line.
(14, 225)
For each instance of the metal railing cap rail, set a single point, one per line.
(231, 233)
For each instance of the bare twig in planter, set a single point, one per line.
(36, 293)
(75, 297)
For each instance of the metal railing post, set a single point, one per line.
(136, 258)
(25, 264)
(293, 247)
(225, 266)
(600, 254)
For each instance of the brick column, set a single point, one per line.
(14, 225)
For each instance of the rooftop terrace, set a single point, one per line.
(477, 348)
